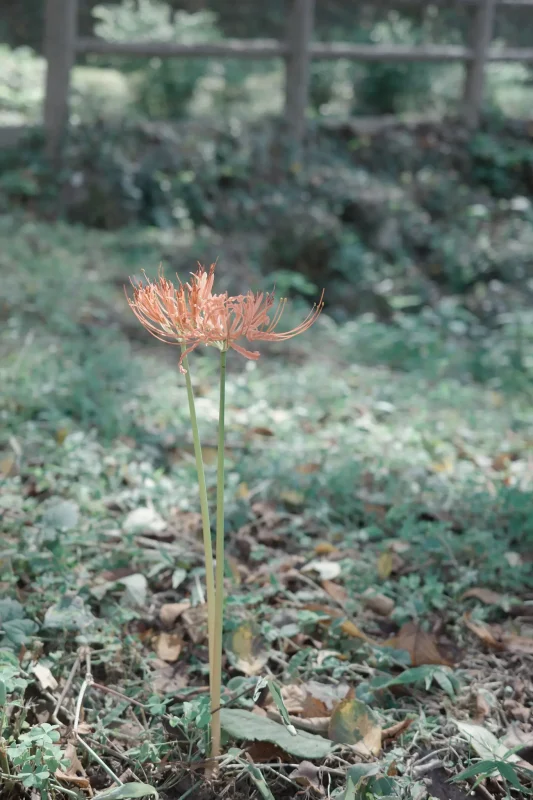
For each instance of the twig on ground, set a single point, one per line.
(66, 688)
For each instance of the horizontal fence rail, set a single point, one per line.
(62, 45)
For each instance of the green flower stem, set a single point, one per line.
(208, 548)
(219, 608)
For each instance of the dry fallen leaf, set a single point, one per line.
(501, 462)
(195, 621)
(394, 730)
(347, 626)
(261, 752)
(518, 644)
(308, 469)
(485, 595)
(495, 636)
(168, 647)
(483, 632)
(336, 592)
(44, 676)
(445, 466)
(8, 465)
(375, 510)
(292, 498)
(385, 564)
(261, 430)
(325, 548)
(377, 602)
(209, 455)
(482, 706)
(75, 773)
(168, 678)
(293, 697)
(246, 649)
(243, 490)
(352, 722)
(321, 698)
(170, 612)
(307, 775)
(420, 645)
(327, 570)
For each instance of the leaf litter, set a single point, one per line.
(355, 562)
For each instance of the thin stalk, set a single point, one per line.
(206, 526)
(219, 607)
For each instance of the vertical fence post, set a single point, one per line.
(480, 39)
(59, 50)
(298, 62)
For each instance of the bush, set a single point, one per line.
(307, 241)
(162, 87)
(22, 84)
(501, 165)
(391, 88)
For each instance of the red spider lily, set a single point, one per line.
(191, 314)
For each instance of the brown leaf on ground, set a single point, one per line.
(262, 430)
(395, 730)
(246, 647)
(516, 710)
(307, 775)
(292, 498)
(375, 510)
(338, 593)
(501, 462)
(168, 679)
(168, 647)
(325, 549)
(482, 706)
(170, 612)
(352, 722)
(323, 654)
(308, 469)
(44, 676)
(74, 773)
(482, 632)
(518, 644)
(496, 637)
(318, 725)
(485, 595)
(195, 621)
(420, 645)
(348, 627)
(263, 752)
(294, 698)
(321, 698)
(378, 603)
(385, 565)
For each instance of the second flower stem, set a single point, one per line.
(206, 526)
(216, 686)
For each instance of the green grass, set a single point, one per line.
(365, 436)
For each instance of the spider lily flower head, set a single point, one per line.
(190, 314)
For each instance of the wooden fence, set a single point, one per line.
(62, 45)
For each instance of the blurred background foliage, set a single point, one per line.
(404, 216)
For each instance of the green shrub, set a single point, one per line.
(500, 164)
(306, 241)
(162, 87)
(388, 87)
(22, 84)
